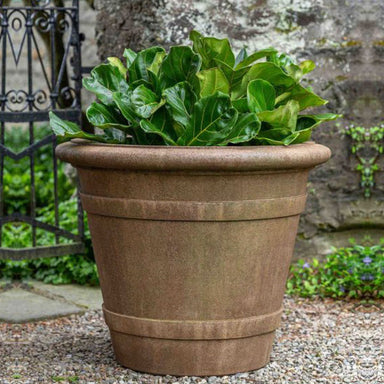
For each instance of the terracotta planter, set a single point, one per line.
(193, 247)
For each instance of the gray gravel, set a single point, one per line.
(319, 342)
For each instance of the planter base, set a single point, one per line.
(192, 357)
(180, 347)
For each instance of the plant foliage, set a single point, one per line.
(57, 270)
(355, 272)
(204, 95)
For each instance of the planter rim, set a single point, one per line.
(84, 154)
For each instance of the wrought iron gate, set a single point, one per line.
(38, 37)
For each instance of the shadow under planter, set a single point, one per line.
(193, 247)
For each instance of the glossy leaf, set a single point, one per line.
(124, 103)
(246, 128)
(303, 136)
(117, 63)
(180, 100)
(105, 79)
(312, 121)
(67, 130)
(277, 136)
(211, 81)
(241, 56)
(304, 96)
(265, 71)
(156, 63)
(130, 56)
(181, 64)
(241, 105)
(233, 76)
(260, 96)
(115, 135)
(138, 70)
(160, 125)
(211, 49)
(255, 56)
(284, 116)
(104, 116)
(212, 119)
(144, 102)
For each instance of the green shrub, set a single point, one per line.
(79, 269)
(199, 96)
(355, 272)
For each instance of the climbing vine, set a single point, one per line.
(367, 146)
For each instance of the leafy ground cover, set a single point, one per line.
(355, 272)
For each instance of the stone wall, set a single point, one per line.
(345, 39)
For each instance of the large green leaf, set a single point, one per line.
(277, 136)
(296, 71)
(255, 56)
(138, 70)
(211, 81)
(180, 100)
(284, 116)
(265, 71)
(304, 96)
(115, 135)
(124, 103)
(312, 121)
(211, 49)
(106, 116)
(130, 56)
(241, 105)
(67, 130)
(156, 63)
(241, 56)
(160, 124)
(181, 64)
(211, 121)
(105, 79)
(117, 63)
(144, 102)
(233, 76)
(260, 96)
(321, 117)
(302, 136)
(246, 128)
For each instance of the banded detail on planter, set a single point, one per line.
(194, 210)
(193, 330)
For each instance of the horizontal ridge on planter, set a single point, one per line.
(194, 210)
(162, 158)
(193, 330)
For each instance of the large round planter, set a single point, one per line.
(193, 247)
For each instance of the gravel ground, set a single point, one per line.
(319, 342)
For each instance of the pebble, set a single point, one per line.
(330, 342)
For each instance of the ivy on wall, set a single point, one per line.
(368, 147)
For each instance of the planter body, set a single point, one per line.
(193, 247)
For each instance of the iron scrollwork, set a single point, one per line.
(40, 37)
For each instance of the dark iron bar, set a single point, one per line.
(42, 22)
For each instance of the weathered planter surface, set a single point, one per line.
(193, 247)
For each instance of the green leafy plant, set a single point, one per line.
(79, 269)
(368, 147)
(199, 96)
(352, 272)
